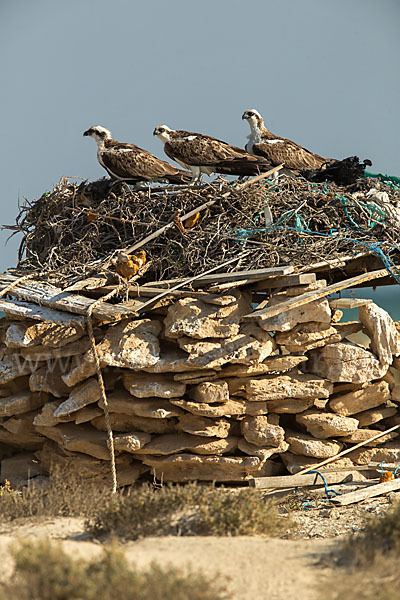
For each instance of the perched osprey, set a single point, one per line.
(277, 149)
(312, 166)
(205, 154)
(129, 162)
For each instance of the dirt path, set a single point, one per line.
(255, 568)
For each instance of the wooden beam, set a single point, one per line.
(285, 281)
(26, 310)
(272, 311)
(45, 294)
(370, 492)
(311, 479)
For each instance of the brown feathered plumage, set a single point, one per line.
(205, 154)
(129, 162)
(279, 150)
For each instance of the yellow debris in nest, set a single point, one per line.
(91, 216)
(127, 265)
(386, 476)
(191, 221)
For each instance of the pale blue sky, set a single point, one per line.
(324, 73)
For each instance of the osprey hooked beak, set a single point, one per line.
(86, 132)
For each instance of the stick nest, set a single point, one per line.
(74, 229)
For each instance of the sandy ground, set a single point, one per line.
(253, 567)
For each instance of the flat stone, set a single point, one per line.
(21, 403)
(217, 300)
(353, 402)
(131, 442)
(374, 415)
(210, 392)
(131, 344)
(82, 368)
(307, 336)
(126, 423)
(20, 423)
(262, 452)
(87, 413)
(361, 435)
(345, 362)
(43, 353)
(80, 438)
(290, 405)
(203, 426)
(179, 442)
(251, 344)
(84, 394)
(234, 406)
(260, 432)
(306, 445)
(194, 318)
(272, 364)
(293, 385)
(390, 453)
(142, 385)
(46, 418)
(318, 310)
(48, 379)
(26, 334)
(323, 425)
(191, 467)
(13, 366)
(154, 408)
(385, 339)
(295, 463)
(194, 376)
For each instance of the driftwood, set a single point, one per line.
(272, 311)
(370, 492)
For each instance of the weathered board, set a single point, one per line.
(370, 492)
(272, 311)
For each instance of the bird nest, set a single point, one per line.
(75, 229)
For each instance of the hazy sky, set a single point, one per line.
(322, 72)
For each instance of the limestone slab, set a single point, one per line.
(48, 379)
(26, 334)
(204, 426)
(21, 403)
(295, 463)
(345, 362)
(154, 408)
(234, 406)
(374, 415)
(385, 339)
(324, 425)
(178, 442)
(290, 405)
(80, 438)
(353, 402)
(390, 452)
(261, 432)
(131, 442)
(143, 385)
(126, 423)
(84, 394)
(131, 344)
(210, 392)
(293, 385)
(262, 452)
(362, 435)
(318, 310)
(307, 445)
(271, 364)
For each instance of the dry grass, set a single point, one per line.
(66, 495)
(43, 571)
(58, 235)
(370, 562)
(186, 510)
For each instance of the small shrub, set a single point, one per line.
(43, 571)
(185, 510)
(66, 495)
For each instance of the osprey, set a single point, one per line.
(312, 166)
(277, 149)
(129, 162)
(205, 154)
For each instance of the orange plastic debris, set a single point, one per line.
(386, 476)
(191, 221)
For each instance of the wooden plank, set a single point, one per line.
(370, 492)
(287, 481)
(202, 279)
(25, 310)
(286, 281)
(45, 294)
(349, 302)
(334, 263)
(272, 311)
